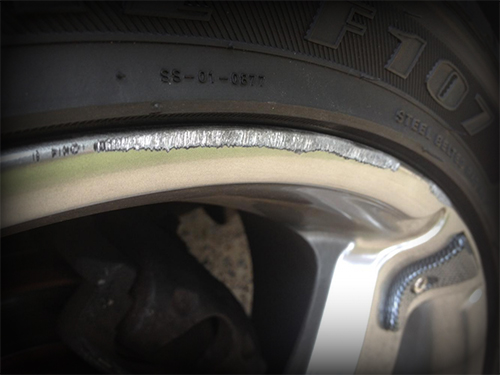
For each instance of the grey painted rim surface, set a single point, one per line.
(373, 213)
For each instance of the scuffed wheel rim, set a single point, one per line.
(386, 255)
(355, 143)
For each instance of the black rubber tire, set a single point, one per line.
(405, 78)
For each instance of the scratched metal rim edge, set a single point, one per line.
(186, 138)
(297, 142)
(214, 138)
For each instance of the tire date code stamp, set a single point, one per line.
(209, 77)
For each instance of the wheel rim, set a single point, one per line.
(364, 215)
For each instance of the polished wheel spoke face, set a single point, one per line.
(361, 265)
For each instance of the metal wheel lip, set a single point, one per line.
(154, 139)
(298, 142)
(261, 141)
